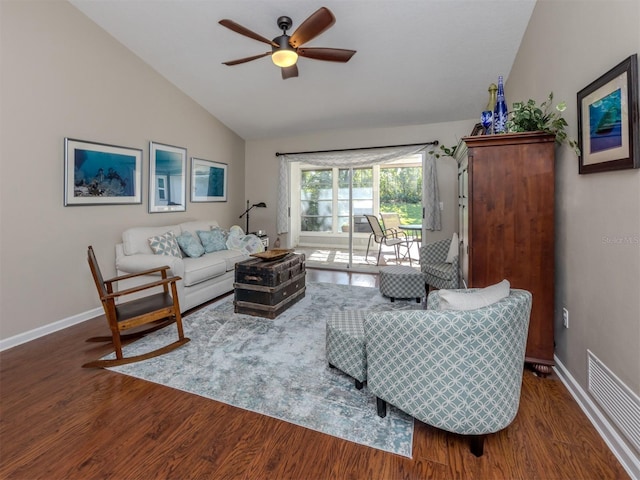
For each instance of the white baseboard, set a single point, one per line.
(626, 456)
(50, 328)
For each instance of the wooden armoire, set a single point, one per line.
(506, 224)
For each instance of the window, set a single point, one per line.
(316, 200)
(393, 187)
(362, 194)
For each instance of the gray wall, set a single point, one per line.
(63, 76)
(567, 46)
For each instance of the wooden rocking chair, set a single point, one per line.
(159, 310)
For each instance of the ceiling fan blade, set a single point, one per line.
(231, 25)
(289, 72)
(328, 54)
(313, 26)
(246, 59)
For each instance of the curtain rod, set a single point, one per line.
(435, 142)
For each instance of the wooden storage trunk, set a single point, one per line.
(268, 288)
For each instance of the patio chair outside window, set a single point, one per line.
(393, 239)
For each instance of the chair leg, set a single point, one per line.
(382, 407)
(477, 444)
(117, 344)
(366, 255)
(359, 385)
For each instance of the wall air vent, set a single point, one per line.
(616, 399)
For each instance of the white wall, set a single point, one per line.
(63, 76)
(261, 182)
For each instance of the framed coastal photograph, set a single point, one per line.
(608, 120)
(101, 174)
(208, 181)
(167, 178)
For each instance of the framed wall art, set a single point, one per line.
(167, 178)
(101, 174)
(608, 120)
(208, 181)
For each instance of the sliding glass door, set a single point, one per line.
(329, 205)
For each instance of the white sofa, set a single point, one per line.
(203, 278)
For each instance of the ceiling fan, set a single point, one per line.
(285, 49)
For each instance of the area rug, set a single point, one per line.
(278, 367)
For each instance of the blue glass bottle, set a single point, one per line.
(500, 111)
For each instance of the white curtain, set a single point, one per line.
(432, 218)
(359, 158)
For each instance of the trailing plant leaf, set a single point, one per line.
(443, 151)
(528, 117)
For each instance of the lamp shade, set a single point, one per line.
(284, 57)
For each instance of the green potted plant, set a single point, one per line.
(529, 117)
(443, 151)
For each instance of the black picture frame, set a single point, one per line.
(608, 120)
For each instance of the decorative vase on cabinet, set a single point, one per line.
(506, 214)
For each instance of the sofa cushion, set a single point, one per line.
(165, 244)
(136, 240)
(203, 268)
(212, 240)
(470, 300)
(231, 257)
(442, 270)
(190, 245)
(196, 225)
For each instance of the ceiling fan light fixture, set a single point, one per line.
(284, 57)
(286, 49)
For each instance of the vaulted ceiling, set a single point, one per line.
(417, 61)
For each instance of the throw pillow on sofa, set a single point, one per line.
(165, 244)
(213, 240)
(483, 297)
(190, 245)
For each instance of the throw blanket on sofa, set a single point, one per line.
(237, 240)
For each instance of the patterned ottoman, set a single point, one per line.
(400, 281)
(345, 344)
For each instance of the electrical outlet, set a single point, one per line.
(441, 206)
(565, 317)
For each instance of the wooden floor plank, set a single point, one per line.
(60, 421)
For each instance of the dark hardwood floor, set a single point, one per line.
(60, 421)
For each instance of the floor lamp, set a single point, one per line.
(246, 212)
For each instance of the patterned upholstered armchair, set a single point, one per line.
(437, 271)
(457, 370)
